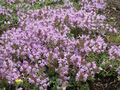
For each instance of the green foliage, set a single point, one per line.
(3, 18)
(5, 86)
(54, 83)
(117, 39)
(113, 38)
(53, 78)
(98, 58)
(73, 85)
(78, 31)
(39, 5)
(118, 78)
(75, 1)
(98, 11)
(102, 60)
(76, 5)
(72, 81)
(3, 83)
(70, 35)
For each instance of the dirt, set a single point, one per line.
(112, 13)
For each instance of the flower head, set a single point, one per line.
(18, 81)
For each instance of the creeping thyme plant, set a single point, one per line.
(60, 47)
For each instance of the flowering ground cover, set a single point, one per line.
(58, 45)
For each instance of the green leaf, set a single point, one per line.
(118, 78)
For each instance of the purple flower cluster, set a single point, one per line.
(5, 11)
(41, 41)
(30, 1)
(93, 4)
(97, 45)
(118, 70)
(114, 52)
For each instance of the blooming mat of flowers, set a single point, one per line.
(46, 45)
